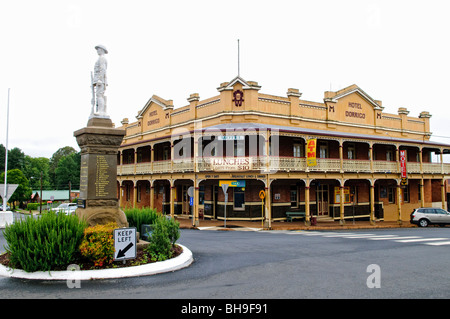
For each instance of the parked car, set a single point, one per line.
(426, 216)
(66, 208)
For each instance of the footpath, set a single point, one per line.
(295, 225)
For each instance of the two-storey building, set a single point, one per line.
(338, 159)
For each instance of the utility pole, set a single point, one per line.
(5, 192)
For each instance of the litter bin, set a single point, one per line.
(313, 220)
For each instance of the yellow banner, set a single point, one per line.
(311, 152)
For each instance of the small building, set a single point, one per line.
(57, 195)
(336, 159)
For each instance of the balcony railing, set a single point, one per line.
(272, 164)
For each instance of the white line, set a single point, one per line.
(352, 235)
(438, 243)
(419, 240)
(393, 237)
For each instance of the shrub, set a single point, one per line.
(32, 206)
(165, 234)
(45, 243)
(137, 217)
(98, 244)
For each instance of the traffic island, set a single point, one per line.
(183, 260)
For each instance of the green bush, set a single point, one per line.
(136, 217)
(46, 243)
(32, 206)
(97, 245)
(165, 234)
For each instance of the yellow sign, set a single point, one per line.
(233, 183)
(262, 194)
(311, 152)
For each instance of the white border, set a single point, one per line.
(179, 262)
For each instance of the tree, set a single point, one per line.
(54, 162)
(23, 191)
(16, 158)
(68, 170)
(33, 168)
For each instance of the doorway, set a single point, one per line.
(322, 200)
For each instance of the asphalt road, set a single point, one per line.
(288, 265)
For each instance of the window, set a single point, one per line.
(239, 198)
(166, 152)
(391, 194)
(389, 156)
(139, 189)
(351, 151)
(406, 194)
(239, 148)
(298, 150)
(323, 150)
(294, 197)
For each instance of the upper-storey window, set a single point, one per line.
(298, 150)
(323, 150)
(351, 152)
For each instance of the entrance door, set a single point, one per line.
(185, 200)
(322, 201)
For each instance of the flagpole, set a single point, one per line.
(5, 191)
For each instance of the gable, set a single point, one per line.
(155, 113)
(353, 105)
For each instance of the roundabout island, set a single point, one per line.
(181, 261)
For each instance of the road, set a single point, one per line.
(300, 265)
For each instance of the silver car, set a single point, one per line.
(426, 216)
(66, 208)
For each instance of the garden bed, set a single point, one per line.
(141, 259)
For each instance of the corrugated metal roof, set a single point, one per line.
(57, 194)
(302, 130)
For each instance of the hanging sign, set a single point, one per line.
(311, 152)
(403, 172)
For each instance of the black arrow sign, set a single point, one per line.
(121, 252)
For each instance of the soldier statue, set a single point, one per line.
(99, 83)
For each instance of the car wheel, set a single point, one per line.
(423, 223)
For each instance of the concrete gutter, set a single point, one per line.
(177, 263)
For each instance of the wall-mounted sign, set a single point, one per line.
(231, 137)
(233, 183)
(353, 110)
(231, 164)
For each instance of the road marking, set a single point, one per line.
(387, 237)
(438, 243)
(419, 240)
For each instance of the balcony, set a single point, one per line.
(273, 164)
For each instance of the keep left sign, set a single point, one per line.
(124, 243)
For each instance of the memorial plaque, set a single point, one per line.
(98, 176)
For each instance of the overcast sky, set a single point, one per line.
(396, 51)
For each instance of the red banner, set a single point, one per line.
(403, 164)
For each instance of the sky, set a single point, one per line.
(396, 51)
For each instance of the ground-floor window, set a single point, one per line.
(239, 198)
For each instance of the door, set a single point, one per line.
(322, 201)
(185, 199)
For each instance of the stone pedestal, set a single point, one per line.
(99, 142)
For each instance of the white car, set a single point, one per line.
(66, 208)
(426, 216)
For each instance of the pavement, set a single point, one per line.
(295, 225)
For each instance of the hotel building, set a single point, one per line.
(338, 159)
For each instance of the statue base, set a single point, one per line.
(99, 142)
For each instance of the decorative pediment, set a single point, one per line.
(246, 85)
(157, 101)
(353, 89)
